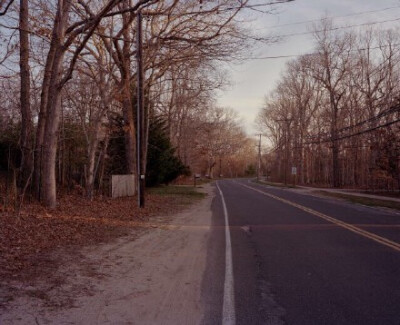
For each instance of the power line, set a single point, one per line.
(314, 53)
(342, 27)
(372, 119)
(334, 17)
(355, 134)
(216, 9)
(278, 56)
(380, 115)
(263, 39)
(393, 109)
(274, 57)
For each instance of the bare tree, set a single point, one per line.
(62, 39)
(331, 69)
(26, 139)
(335, 109)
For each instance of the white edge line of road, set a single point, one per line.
(228, 306)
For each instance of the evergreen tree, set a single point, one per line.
(250, 170)
(162, 164)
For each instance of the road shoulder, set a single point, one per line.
(153, 278)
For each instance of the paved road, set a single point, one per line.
(300, 259)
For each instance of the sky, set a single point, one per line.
(252, 80)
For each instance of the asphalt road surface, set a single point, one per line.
(290, 258)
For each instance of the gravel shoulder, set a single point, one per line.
(151, 276)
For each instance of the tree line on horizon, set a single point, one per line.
(335, 113)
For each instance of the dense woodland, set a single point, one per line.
(335, 113)
(68, 78)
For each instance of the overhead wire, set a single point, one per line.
(341, 27)
(331, 17)
(354, 134)
(313, 53)
(327, 138)
(263, 39)
(359, 124)
(349, 135)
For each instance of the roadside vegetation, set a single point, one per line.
(75, 74)
(184, 191)
(275, 184)
(362, 200)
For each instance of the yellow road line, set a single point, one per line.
(352, 228)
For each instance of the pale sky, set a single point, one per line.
(254, 79)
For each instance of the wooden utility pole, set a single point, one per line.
(140, 115)
(259, 158)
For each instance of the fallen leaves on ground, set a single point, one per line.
(26, 238)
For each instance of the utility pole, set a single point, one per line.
(141, 117)
(286, 136)
(140, 114)
(259, 158)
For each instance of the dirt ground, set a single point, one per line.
(150, 276)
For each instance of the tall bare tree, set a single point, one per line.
(26, 139)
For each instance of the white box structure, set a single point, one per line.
(122, 185)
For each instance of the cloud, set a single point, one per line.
(256, 78)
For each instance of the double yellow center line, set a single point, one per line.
(359, 231)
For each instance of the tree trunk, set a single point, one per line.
(130, 137)
(26, 114)
(102, 160)
(53, 106)
(48, 195)
(90, 177)
(38, 164)
(127, 106)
